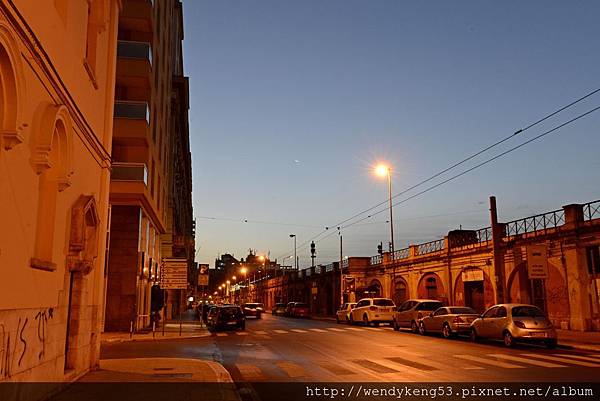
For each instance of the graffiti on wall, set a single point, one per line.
(15, 343)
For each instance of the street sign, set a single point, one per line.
(173, 274)
(537, 262)
(202, 279)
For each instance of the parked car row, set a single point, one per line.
(291, 309)
(508, 322)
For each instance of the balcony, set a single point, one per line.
(131, 125)
(133, 172)
(136, 16)
(134, 64)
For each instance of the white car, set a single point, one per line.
(373, 310)
(343, 315)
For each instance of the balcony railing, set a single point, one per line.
(536, 223)
(591, 210)
(376, 260)
(132, 110)
(401, 254)
(473, 239)
(134, 50)
(430, 247)
(129, 172)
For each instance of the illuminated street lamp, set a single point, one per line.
(383, 170)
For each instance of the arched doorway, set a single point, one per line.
(400, 291)
(432, 287)
(373, 290)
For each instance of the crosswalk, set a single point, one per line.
(388, 367)
(330, 330)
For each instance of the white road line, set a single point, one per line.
(248, 371)
(241, 333)
(334, 329)
(565, 360)
(585, 358)
(222, 334)
(299, 331)
(356, 329)
(261, 332)
(292, 369)
(498, 364)
(281, 331)
(318, 330)
(528, 361)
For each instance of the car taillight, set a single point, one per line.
(457, 319)
(372, 308)
(519, 324)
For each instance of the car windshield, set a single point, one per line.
(462, 311)
(253, 305)
(229, 313)
(527, 311)
(301, 305)
(430, 306)
(383, 302)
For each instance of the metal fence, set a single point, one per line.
(376, 260)
(401, 254)
(536, 223)
(591, 210)
(430, 247)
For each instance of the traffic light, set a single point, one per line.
(313, 250)
(380, 248)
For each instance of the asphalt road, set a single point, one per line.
(278, 349)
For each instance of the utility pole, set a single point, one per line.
(498, 258)
(341, 269)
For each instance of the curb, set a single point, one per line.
(157, 338)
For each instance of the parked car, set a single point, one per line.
(288, 308)
(226, 317)
(253, 309)
(514, 322)
(411, 311)
(343, 315)
(278, 309)
(299, 309)
(373, 310)
(448, 320)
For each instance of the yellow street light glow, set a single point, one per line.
(382, 170)
(261, 258)
(244, 270)
(233, 278)
(228, 281)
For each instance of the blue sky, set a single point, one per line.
(293, 101)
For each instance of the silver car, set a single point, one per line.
(514, 322)
(448, 320)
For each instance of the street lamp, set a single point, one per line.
(383, 170)
(244, 271)
(295, 257)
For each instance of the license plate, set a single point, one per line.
(384, 310)
(539, 334)
(231, 323)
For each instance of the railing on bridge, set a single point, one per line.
(430, 247)
(329, 268)
(376, 260)
(536, 223)
(591, 210)
(401, 254)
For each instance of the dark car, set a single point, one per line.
(299, 309)
(253, 309)
(278, 309)
(288, 309)
(226, 317)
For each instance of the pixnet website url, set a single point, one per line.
(433, 392)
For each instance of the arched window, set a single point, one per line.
(10, 93)
(431, 287)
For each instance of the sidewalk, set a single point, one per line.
(584, 340)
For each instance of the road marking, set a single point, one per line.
(336, 369)
(585, 358)
(261, 332)
(528, 361)
(356, 329)
(498, 364)
(293, 370)
(412, 364)
(241, 333)
(222, 334)
(281, 331)
(248, 371)
(374, 366)
(334, 329)
(318, 330)
(565, 360)
(299, 331)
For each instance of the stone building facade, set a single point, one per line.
(57, 72)
(477, 268)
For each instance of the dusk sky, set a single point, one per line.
(293, 102)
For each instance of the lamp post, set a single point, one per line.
(295, 257)
(383, 170)
(244, 271)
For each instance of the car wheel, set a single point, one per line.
(446, 331)
(395, 325)
(509, 340)
(366, 320)
(551, 344)
(413, 327)
(243, 326)
(474, 336)
(259, 316)
(422, 330)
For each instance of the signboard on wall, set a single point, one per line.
(202, 274)
(472, 275)
(173, 274)
(537, 262)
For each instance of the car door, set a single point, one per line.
(357, 312)
(404, 315)
(435, 322)
(498, 323)
(485, 325)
